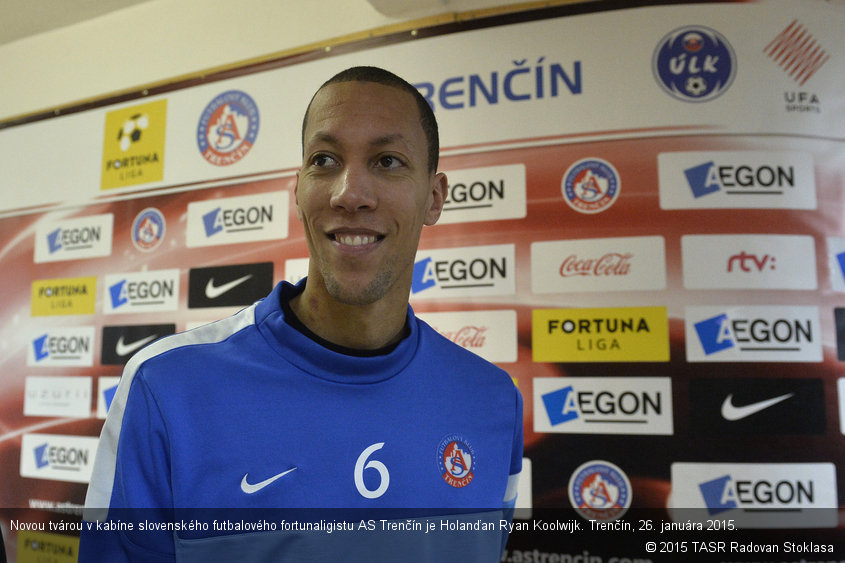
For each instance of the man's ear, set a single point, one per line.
(439, 192)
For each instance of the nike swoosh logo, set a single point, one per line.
(123, 349)
(250, 489)
(731, 412)
(214, 291)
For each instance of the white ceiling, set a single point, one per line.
(23, 18)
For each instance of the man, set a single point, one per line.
(327, 394)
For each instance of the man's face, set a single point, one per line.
(365, 191)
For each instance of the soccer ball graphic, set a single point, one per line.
(695, 85)
(130, 132)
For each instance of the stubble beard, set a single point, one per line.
(371, 292)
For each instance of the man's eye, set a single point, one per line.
(389, 162)
(322, 160)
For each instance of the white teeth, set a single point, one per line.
(355, 240)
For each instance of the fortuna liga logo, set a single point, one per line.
(456, 460)
(227, 128)
(694, 64)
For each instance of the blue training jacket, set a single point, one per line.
(242, 440)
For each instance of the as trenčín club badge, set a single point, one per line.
(456, 460)
(591, 185)
(227, 128)
(148, 229)
(599, 490)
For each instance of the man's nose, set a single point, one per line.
(354, 190)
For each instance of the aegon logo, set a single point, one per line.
(726, 493)
(143, 291)
(836, 259)
(107, 386)
(235, 220)
(63, 347)
(758, 495)
(238, 219)
(753, 334)
(60, 347)
(73, 239)
(460, 272)
(708, 177)
(603, 405)
(62, 458)
(745, 179)
(601, 335)
(485, 194)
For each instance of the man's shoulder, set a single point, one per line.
(204, 341)
(453, 354)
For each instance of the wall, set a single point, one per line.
(653, 255)
(161, 40)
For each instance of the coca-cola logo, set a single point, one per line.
(611, 264)
(467, 336)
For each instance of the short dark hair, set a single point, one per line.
(387, 78)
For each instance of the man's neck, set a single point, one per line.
(362, 327)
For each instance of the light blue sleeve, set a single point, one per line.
(509, 501)
(130, 484)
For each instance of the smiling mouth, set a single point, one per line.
(357, 239)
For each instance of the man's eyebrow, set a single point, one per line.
(388, 139)
(323, 137)
(328, 138)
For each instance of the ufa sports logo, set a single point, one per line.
(599, 490)
(133, 148)
(456, 459)
(694, 64)
(591, 185)
(148, 229)
(227, 128)
(796, 51)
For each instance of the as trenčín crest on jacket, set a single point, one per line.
(457, 461)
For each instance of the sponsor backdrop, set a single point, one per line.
(645, 228)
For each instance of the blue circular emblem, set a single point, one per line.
(591, 185)
(694, 64)
(148, 229)
(227, 128)
(599, 490)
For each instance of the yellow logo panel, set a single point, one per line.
(626, 334)
(133, 147)
(63, 296)
(38, 547)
